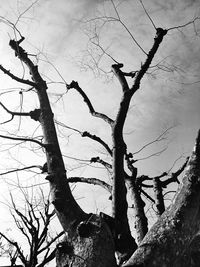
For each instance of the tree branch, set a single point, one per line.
(174, 175)
(21, 227)
(20, 80)
(22, 139)
(93, 181)
(15, 244)
(184, 25)
(14, 113)
(76, 86)
(104, 163)
(48, 259)
(160, 138)
(125, 27)
(116, 68)
(21, 169)
(51, 242)
(98, 139)
(160, 33)
(89, 135)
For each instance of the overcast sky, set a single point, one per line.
(54, 30)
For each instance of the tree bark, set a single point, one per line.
(93, 245)
(191, 257)
(141, 223)
(158, 192)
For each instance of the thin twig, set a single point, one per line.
(160, 138)
(127, 29)
(23, 139)
(21, 169)
(147, 14)
(184, 25)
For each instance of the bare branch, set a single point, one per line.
(141, 2)
(21, 169)
(98, 139)
(23, 139)
(47, 259)
(15, 244)
(120, 75)
(24, 12)
(104, 163)
(147, 196)
(103, 50)
(184, 25)
(93, 181)
(22, 55)
(12, 113)
(126, 28)
(20, 226)
(51, 242)
(156, 154)
(68, 127)
(160, 33)
(76, 86)
(174, 175)
(160, 138)
(20, 80)
(89, 135)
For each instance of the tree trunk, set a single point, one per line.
(191, 257)
(92, 245)
(141, 223)
(88, 240)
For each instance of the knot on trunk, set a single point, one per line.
(89, 227)
(65, 247)
(35, 114)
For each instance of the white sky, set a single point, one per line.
(167, 99)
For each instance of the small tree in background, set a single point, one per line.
(37, 246)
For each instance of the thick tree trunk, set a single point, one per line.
(191, 257)
(88, 241)
(92, 245)
(169, 239)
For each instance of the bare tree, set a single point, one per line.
(38, 245)
(86, 234)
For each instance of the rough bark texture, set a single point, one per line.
(141, 223)
(191, 257)
(158, 192)
(93, 245)
(168, 240)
